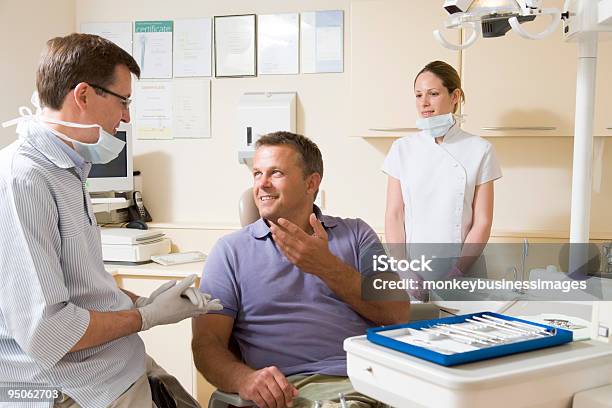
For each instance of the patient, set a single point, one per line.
(290, 284)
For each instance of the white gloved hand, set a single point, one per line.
(143, 301)
(202, 299)
(175, 304)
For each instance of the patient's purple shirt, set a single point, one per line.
(284, 316)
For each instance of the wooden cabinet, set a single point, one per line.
(391, 40)
(519, 87)
(603, 90)
(513, 86)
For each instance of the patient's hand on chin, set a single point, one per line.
(268, 388)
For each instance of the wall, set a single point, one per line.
(197, 182)
(24, 29)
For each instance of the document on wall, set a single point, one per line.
(119, 32)
(322, 41)
(153, 110)
(153, 48)
(277, 43)
(235, 45)
(192, 47)
(191, 108)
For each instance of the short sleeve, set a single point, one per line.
(392, 164)
(219, 278)
(369, 247)
(489, 167)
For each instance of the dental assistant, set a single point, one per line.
(64, 323)
(440, 180)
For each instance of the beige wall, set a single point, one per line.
(24, 28)
(197, 182)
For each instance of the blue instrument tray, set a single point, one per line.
(559, 336)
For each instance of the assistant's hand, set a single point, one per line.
(310, 253)
(268, 388)
(177, 303)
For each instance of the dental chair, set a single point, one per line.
(248, 213)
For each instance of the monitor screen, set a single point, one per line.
(117, 174)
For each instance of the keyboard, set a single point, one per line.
(179, 258)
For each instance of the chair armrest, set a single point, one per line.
(227, 399)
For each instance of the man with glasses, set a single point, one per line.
(64, 324)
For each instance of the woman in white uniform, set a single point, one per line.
(440, 184)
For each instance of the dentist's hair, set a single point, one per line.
(68, 61)
(448, 75)
(310, 155)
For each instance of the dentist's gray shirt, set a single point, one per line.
(51, 274)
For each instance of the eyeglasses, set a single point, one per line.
(124, 99)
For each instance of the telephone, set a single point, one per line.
(138, 212)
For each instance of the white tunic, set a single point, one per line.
(438, 182)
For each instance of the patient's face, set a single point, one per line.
(279, 187)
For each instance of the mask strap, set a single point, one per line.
(68, 124)
(25, 113)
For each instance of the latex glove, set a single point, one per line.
(200, 299)
(143, 301)
(175, 304)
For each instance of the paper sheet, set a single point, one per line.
(191, 108)
(235, 45)
(192, 48)
(153, 48)
(277, 43)
(152, 113)
(322, 41)
(120, 33)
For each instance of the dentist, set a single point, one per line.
(64, 324)
(440, 180)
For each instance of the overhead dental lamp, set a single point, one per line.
(494, 18)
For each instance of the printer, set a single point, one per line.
(125, 245)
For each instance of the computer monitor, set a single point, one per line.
(116, 175)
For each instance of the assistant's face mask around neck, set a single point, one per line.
(106, 149)
(436, 126)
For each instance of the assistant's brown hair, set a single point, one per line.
(448, 75)
(312, 160)
(68, 61)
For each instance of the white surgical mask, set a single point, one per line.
(436, 126)
(106, 149)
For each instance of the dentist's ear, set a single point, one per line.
(79, 95)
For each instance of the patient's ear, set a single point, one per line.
(313, 182)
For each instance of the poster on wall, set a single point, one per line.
(322, 41)
(235, 46)
(153, 48)
(277, 43)
(192, 48)
(118, 32)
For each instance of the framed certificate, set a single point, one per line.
(235, 46)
